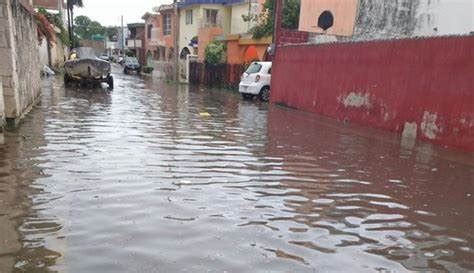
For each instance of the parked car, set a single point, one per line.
(83, 66)
(131, 65)
(120, 60)
(256, 81)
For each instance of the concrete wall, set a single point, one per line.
(2, 116)
(419, 87)
(238, 25)
(58, 54)
(98, 46)
(20, 69)
(386, 19)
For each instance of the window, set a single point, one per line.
(254, 68)
(189, 17)
(148, 30)
(166, 24)
(211, 16)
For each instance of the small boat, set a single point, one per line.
(84, 67)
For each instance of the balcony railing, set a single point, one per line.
(185, 3)
(134, 43)
(204, 23)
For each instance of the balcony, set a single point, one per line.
(207, 23)
(185, 3)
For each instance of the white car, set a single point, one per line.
(256, 81)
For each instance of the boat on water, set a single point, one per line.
(84, 66)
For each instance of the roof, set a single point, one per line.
(136, 25)
(162, 8)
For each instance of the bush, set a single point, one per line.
(147, 69)
(214, 53)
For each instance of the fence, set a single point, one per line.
(219, 75)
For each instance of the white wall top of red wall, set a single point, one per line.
(388, 19)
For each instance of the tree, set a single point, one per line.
(266, 19)
(56, 20)
(85, 28)
(214, 52)
(112, 33)
(70, 17)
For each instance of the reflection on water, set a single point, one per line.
(138, 180)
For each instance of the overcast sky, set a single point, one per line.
(108, 12)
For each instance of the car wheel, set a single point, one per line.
(265, 94)
(110, 82)
(125, 71)
(247, 96)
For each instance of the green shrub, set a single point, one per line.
(214, 53)
(147, 69)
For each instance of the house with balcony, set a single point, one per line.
(159, 35)
(202, 21)
(136, 41)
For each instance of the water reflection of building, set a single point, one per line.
(370, 195)
(22, 226)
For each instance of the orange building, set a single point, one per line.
(159, 34)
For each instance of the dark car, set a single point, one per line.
(131, 65)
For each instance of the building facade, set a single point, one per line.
(160, 34)
(136, 41)
(203, 21)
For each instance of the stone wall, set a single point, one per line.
(20, 69)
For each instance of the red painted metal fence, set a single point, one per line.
(423, 84)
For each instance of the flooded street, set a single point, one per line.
(152, 177)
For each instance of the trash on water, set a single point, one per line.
(47, 71)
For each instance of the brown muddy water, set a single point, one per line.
(161, 178)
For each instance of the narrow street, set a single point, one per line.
(155, 177)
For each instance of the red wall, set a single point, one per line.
(424, 81)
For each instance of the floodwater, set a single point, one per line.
(153, 177)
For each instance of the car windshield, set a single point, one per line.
(131, 60)
(253, 68)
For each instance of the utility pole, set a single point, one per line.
(278, 16)
(176, 41)
(72, 24)
(122, 37)
(69, 29)
(248, 22)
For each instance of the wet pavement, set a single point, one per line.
(153, 177)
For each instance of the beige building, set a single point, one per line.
(202, 21)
